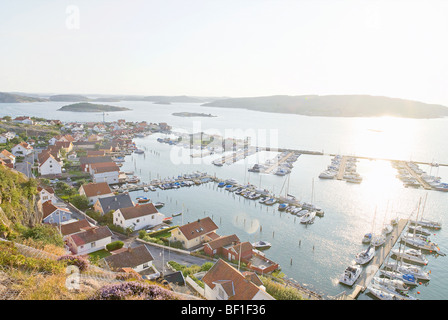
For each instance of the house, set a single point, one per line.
(6, 163)
(90, 240)
(138, 217)
(107, 172)
(21, 149)
(195, 233)
(46, 194)
(94, 191)
(224, 282)
(138, 258)
(6, 155)
(49, 165)
(86, 161)
(86, 145)
(3, 138)
(24, 120)
(68, 229)
(53, 214)
(104, 205)
(220, 245)
(67, 146)
(96, 153)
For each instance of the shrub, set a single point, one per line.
(79, 262)
(133, 289)
(115, 245)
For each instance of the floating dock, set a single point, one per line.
(279, 162)
(370, 270)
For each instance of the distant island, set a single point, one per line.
(16, 98)
(90, 107)
(336, 106)
(192, 114)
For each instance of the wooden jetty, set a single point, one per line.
(279, 162)
(371, 269)
(342, 165)
(422, 182)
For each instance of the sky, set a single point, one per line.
(233, 48)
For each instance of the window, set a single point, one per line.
(93, 244)
(145, 265)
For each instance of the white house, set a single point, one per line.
(53, 214)
(104, 172)
(46, 194)
(138, 258)
(49, 165)
(25, 120)
(94, 191)
(5, 154)
(3, 138)
(224, 282)
(87, 241)
(138, 217)
(21, 149)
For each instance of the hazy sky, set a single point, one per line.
(226, 47)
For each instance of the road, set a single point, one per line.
(25, 165)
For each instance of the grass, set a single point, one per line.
(100, 254)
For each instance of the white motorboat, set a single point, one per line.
(421, 243)
(418, 230)
(378, 240)
(413, 255)
(308, 217)
(388, 229)
(381, 294)
(261, 245)
(402, 267)
(367, 238)
(350, 275)
(391, 283)
(427, 223)
(327, 174)
(365, 256)
(399, 294)
(408, 279)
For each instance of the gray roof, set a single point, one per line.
(129, 257)
(119, 201)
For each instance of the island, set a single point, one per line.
(90, 107)
(336, 106)
(192, 114)
(6, 97)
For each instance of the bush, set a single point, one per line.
(115, 245)
(79, 262)
(133, 289)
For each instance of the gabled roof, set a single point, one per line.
(91, 235)
(122, 200)
(139, 210)
(129, 257)
(223, 241)
(74, 227)
(234, 283)
(96, 189)
(48, 189)
(88, 160)
(198, 228)
(25, 145)
(48, 208)
(104, 167)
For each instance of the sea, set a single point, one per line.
(313, 255)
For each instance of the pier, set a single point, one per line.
(422, 182)
(279, 162)
(380, 256)
(341, 171)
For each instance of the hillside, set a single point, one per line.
(16, 98)
(90, 107)
(68, 98)
(336, 106)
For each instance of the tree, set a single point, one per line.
(80, 201)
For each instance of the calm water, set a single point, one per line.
(327, 246)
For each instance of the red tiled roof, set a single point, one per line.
(96, 189)
(198, 228)
(138, 211)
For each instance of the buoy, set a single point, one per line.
(420, 283)
(418, 292)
